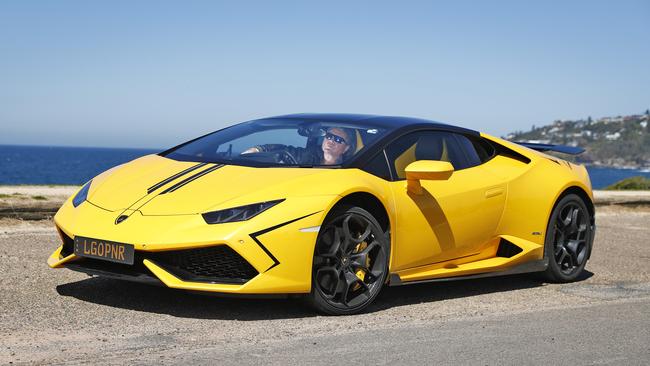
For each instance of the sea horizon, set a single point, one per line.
(85, 147)
(75, 165)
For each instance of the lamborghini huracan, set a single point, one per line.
(333, 207)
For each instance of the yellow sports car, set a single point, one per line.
(331, 206)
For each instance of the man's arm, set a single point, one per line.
(274, 147)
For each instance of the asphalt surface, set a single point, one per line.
(59, 316)
(611, 335)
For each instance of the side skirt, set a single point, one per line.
(534, 266)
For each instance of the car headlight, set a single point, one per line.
(241, 213)
(81, 196)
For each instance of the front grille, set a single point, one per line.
(218, 264)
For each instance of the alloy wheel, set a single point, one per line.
(570, 235)
(350, 261)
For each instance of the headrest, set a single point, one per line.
(429, 147)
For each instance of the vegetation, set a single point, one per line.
(630, 184)
(15, 194)
(622, 141)
(39, 198)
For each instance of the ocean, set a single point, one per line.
(76, 165)
(59, 165)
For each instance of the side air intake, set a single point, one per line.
(507, 249)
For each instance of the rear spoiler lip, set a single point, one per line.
(564, 149)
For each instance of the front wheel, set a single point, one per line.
(350, 262)
(569, 238)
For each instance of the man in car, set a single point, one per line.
(339, 143)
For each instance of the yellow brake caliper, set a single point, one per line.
(360, 272)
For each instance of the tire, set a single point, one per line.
(350, 262)
(569, 239)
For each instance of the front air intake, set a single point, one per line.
(217, 264)
(68, 243)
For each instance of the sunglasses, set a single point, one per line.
(335, 138)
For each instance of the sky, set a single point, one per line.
(153, 74)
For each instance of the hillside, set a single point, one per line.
(620, 142)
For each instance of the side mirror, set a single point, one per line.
(426, 170)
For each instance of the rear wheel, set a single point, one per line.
(350, 262)
(569, 238)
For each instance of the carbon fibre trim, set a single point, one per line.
(126, 276)
(532, 266)
(570, 150)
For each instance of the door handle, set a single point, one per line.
(493, 192)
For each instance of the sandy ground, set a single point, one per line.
(47, 191)
(59, 316)
(33, 202)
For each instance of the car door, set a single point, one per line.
(452, 218)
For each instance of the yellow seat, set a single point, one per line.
(359, 141)
(409, 156)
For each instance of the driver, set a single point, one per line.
(339, 143)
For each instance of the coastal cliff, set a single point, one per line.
(617, 142)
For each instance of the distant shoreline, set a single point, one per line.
(34, 202)
(624, 167)
(82, 147)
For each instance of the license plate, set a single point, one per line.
(103, 249)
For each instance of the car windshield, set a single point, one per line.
(281, 142)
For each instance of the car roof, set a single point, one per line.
(388, 122)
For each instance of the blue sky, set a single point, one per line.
(153, 74)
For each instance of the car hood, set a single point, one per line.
(147, 185)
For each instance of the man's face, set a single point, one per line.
(335, 144)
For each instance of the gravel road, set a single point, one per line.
(59, 316)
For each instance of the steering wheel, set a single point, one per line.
(285, 157)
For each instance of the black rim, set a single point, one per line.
(350, 261)
(570, 238)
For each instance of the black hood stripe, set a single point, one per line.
(175, 176)
(192, 178)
